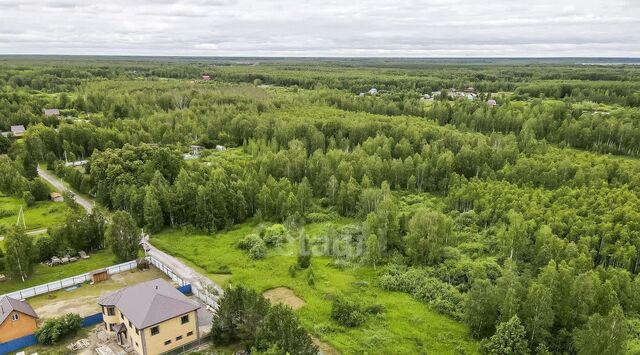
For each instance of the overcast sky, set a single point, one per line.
(400, 28)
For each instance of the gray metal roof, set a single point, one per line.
(51, 111)
(149, 303)
(8, 305)
(17, 129)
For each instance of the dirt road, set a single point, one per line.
(86, 203)
(187, 273)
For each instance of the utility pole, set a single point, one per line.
(21, 214)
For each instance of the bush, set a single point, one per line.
(311, 278)
(443, 297)
(28, 198)
(347, 313)
(293, 270)
(46, 247)
(304, 260)
(275, 235)
(249, 241)
(319, 217)
(375, 309)
(258, 250)
(55, 329)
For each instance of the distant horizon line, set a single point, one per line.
(307, 57)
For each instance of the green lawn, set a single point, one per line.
(42, 215)
(406, 327)
(43, 274)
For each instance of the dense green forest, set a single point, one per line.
(520, 220)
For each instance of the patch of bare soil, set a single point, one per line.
(325, 349)
(284, 295)
(84, 306)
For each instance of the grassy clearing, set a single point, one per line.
(42, 215)
(43, 274)
(406, 327)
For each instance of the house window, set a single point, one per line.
(121, 315)
(189, 334)
(137, 332)
(179, 338)
(111, 311)
(111, 325)
(155, 330)
(137, 346)
(130, 326)
(167, 342)
(185, 319)
(14, 316)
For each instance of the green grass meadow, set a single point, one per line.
(42, 215)
(43, 274)
(405, 327)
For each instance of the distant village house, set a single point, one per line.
(17, 319)
(206, 77)
(51, 112)
(18, 131)
(491, 103)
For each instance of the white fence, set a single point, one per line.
(205, 297)
(68, 282)
(201, 294)
(177, 279)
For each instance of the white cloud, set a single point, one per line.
(321, 27)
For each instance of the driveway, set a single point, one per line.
(185, 272)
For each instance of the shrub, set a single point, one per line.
(55, 329)
(258, 250)
(249, 241)
(275, 235)
(445, 298)
(318, 217)
(46, 247)
(304, 260)
(311, 278)
(347, 313)
(28, 198)
(375, 309)
(293, 270)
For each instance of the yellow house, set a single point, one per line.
(17, 319)
(152, 317)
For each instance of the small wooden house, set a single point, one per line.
(17, 319)
(206, 77)
(56, 197)
(99, 276)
